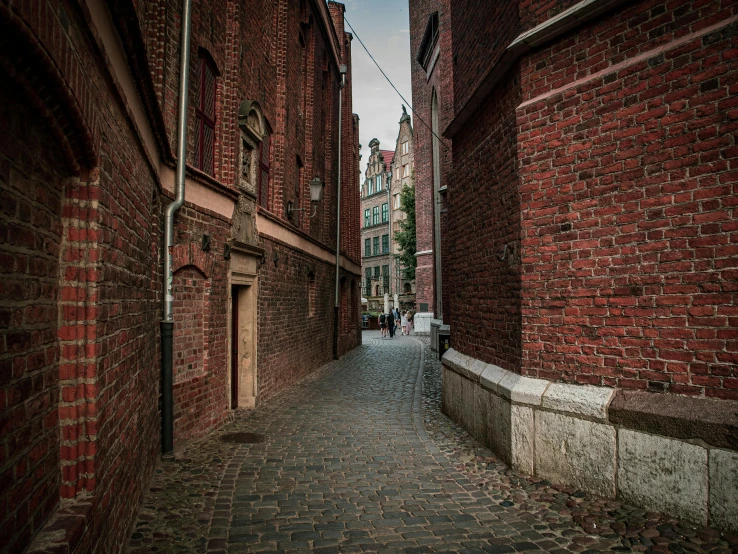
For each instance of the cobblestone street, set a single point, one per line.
(358, 458)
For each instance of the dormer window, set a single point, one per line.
(428, 45)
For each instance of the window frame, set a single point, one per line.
(262, 189)
(203, 119)
(385, 212)
(378, 179)
(375, 215)
(375, 244)
(367, 247)
(385, 244)
(367, 217)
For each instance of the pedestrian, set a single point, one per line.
(391, 324)
(409, 322)
(382, 325)
(403, 323)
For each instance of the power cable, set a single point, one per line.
(440, 140)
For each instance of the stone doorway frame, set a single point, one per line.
(244, 280)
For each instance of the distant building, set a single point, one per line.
(387, 172)
(376, 253)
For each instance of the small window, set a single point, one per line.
(397, 201)
(371, 186)
(385, 244)
(406, 170)
(385, 213)
(367, 247)
(429, 42)
(376, 245)
(205, 118)
(366, 217)
(379, 183)
(405, 148)
(376, 272)
(385, 270)
(375, 215)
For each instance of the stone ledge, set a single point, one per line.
(681, 417)
(585, 400)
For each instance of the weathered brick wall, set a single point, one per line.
(285, 282)
(102, 369)
(440, 81)
(31, 188)
(628, 186)
(482, 293)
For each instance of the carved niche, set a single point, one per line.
(243, 229)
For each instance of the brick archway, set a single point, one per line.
(190, 253)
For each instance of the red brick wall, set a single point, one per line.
(30, 241)
(441, 82)
(617, 177)
(629, 193)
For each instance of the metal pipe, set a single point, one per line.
(338, 211)
(167, 323)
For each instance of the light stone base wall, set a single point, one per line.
(421, 323)
(562, 433)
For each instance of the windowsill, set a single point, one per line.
(383, 224)
(381, 192)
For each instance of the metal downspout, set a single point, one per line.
(167, 323)
(338, 211)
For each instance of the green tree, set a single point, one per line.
(405, 237)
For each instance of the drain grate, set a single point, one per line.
(242, 438)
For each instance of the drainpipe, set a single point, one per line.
(338, 211)
(167, 323)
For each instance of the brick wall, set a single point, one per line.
(606, 159)
(440, 81)
(629, 191)
(30, 241)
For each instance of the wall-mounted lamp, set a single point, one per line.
(316, 195)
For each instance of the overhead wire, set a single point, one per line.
(440, 140)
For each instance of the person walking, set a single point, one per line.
(409, 322)
(391, 324)
(403, 323)
(382, 325)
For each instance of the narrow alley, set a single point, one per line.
(359, 458)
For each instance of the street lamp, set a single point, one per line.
(316, 195)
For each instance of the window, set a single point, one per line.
(371, 186)
(379, 183)
(376, 272)
(368, 274)
(428, 44)
(264, 153)
(406, 170)
(375, 215)
(366, 217)
(205, 119)
(397, 202)
(385, 270)
(367, 247)
(385, 244)
(376, 246)
(399, 174)
(385, 213)
(405, 148)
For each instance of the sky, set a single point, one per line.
(383, 26)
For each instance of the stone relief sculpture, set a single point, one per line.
(243, 228)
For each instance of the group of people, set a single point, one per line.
(388, 322)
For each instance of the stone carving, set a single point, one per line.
(243, 228)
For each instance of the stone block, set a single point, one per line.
(724, 489)
(529, 391)
(476, 369)
(586, 400)
(491, 377)
(499, 427)
(451, 393)
(467, 403)
(522, 438)
(663, 475)
(480, 425)
(575, 452)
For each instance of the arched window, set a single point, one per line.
(205, 116)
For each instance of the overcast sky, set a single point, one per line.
(383, 26)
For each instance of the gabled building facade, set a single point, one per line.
(89, 97)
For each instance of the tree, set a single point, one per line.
(405, 237)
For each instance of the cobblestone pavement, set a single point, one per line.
(358, 458)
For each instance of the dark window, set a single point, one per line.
(375, 215)
(264, 153)
(430, 39)
(205, 119)
(376, 272)
(367, 247)
(385, 213)
(385, 244)
(366, 217)
(376, 245)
